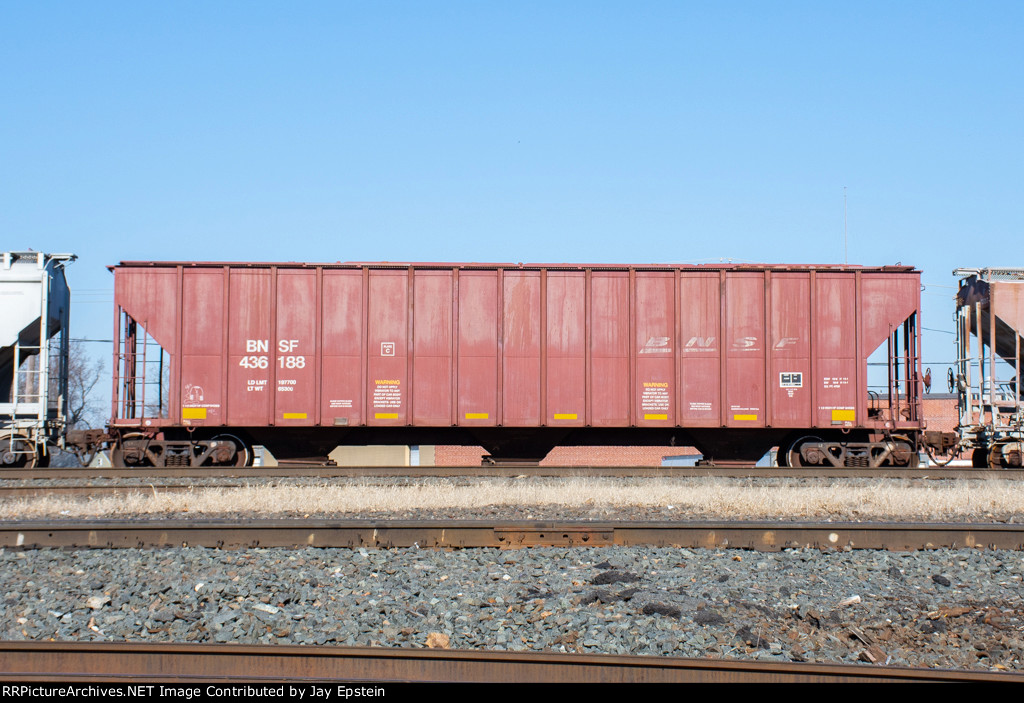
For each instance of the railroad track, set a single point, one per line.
(264, 664)
(311, 471)
(107, 489)
(459, 534)
(101, 486)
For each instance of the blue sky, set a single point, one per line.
(552, 131)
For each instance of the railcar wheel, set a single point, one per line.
(1007, 455)
(979, 458)
(131, 457)
(902, 453)
(782, 457)
(796, 459)
(913, 460)
(242, 456)
(16, 453)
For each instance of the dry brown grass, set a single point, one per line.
(668, 498)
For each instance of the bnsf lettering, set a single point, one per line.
(255, 346)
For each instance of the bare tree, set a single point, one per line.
(82, 409)
(158, 393)
(84, 373)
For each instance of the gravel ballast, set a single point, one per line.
(941, 608)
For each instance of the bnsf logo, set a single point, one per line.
(708, 343)
(657, 345)
(700, 344)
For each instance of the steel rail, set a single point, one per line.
(44, 486)
(459, 534)
(510, 471)
(37, 491)
(134, 662)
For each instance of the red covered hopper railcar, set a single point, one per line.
(212, 358)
